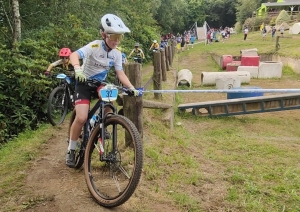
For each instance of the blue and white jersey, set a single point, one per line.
(97, 60)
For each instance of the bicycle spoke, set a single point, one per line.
(117, 183)
(124, 171)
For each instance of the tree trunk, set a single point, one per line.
(17, 21)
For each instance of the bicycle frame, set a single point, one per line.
(102, 117)
(66, 83)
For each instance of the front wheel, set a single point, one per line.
(57, 106)
(113, 179)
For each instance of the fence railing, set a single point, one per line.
(133, 107)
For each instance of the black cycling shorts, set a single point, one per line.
(84, 93)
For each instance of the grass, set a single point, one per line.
(15, 157)
(241, 163)
(232, 46)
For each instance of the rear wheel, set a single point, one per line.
(112, 181)
(79, 152)
(57, 106)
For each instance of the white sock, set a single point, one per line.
(72, 145)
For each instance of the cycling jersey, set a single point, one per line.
(155, 46)
(138, 52)
(65, 66)
(98, 60)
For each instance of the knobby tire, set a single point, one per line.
(55, 107)
(112, 183)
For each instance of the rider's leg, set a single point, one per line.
(82, 104)
(80, 119)
(75, 131)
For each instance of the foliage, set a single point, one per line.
(217, 15)
(282, 17)
(273, 21)
(255, 22)
(238, 27)
(245, 9)
(23, 93)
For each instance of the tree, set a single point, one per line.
(245, 9)
(220, 12)
(17, 21)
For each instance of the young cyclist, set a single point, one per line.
(138, 52)
(98, 56)
(63, 62)
(154, 46)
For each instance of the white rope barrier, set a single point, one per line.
(227, 91)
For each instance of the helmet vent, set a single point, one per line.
(108, 22)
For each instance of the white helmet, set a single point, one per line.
(155, 41)
(113, 24)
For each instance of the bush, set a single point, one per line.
(254, 23)
(282, 17)
(238, 27)
(272, 21)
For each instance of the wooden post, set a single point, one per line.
(167, 58)
(163, 65)
(157, 85)
(170, 55)
(174, 49)
(133, 106)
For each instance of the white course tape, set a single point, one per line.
(228, 91)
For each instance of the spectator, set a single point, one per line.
(192, 40)
(264, 33)
(273, 32)
(245, 33)
(281, 30)
(182, 44)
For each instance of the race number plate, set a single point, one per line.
(108, 93)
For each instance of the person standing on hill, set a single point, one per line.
(192, 40)
(281, 30)
(245, 33)
(264, 33)
(273, 32)
(182, 44)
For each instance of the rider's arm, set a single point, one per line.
(74, 59)
(131, 53)
(142, 54)
(56, 63)
(151, 46)
(124, 79)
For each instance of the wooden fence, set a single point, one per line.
(133, 107)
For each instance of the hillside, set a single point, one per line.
(241, 163)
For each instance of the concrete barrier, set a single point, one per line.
(184, 77)
(232, 66)
(227, 82)
(270, 69)
(209, 78)
(249, 52)
(253, 70)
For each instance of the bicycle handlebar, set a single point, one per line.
(97, 83)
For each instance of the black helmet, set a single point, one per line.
(136, 45)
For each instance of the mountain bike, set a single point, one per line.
(137, 59)
(110, 148)
(61, 99)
